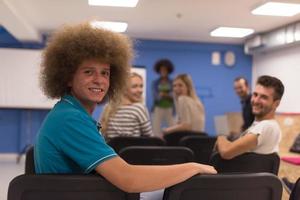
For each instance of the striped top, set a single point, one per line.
(130, 120)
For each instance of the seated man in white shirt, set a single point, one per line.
(264, 135)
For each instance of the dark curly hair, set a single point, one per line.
(272, 82)
(72, 45)
(164, 63)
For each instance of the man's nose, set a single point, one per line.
(255, 99)
(140, 89)
(97, 77)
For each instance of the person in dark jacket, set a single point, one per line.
(242, 90)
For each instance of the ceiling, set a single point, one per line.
(177, 20)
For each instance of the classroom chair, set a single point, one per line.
(295, 193)
(256, 186)
(62, 187)
(172, 139)
(29, 161)
(247, 162)
(202, 146)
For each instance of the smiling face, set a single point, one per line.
(179, 88)
(90, 83)
(241, 88)
(135, 90)
(263, 103)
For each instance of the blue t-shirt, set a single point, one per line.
(69, 141)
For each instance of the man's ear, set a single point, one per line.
(276, 103)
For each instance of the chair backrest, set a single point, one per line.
(257, 186)
(156, 155)
(117, 143)
(62, 187)
(295, 194)
(247, 162)
(29, 161)
(172, 139)
(202, 146)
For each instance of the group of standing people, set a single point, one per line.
(129, 117)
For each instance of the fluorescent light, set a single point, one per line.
(116, 3)
(231, 32)
(277, 9)
(113, 26)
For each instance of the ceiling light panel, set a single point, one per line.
(231, 32)
(277, 9)
(115, 3)
(113, 26)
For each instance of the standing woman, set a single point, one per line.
(129, 117)
(190, 111)
(162, 95)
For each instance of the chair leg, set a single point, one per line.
(287, 184)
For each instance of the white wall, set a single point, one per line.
(19, 79)
(285, 65)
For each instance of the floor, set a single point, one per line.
(9, 169)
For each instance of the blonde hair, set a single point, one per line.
(191, 92)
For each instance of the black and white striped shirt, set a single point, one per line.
(130, 120)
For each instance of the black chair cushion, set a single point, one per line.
(117, 143)
(156, 155)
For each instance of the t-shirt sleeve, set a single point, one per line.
(263, 131)
(83, 144)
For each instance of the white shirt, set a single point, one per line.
(269, 136)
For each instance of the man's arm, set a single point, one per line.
(229, 150)
(142, 178)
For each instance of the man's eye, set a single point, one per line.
(88, 72)
(106, 73)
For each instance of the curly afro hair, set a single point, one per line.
(72, 45)
(164, 63)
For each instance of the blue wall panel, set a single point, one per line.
(19, 128)
(10, 128)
